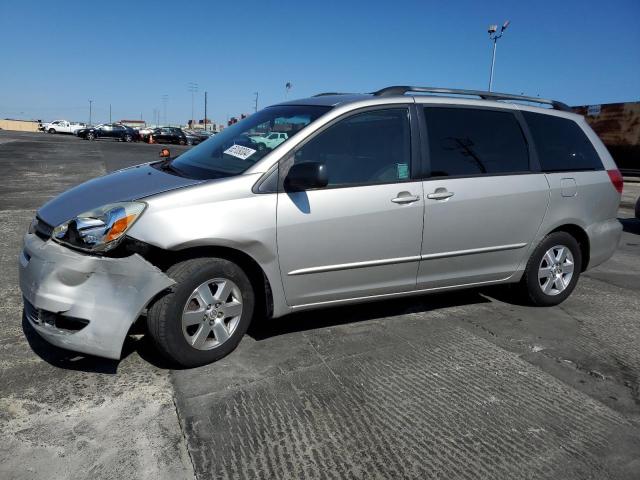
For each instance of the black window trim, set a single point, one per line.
(534, 163)
(415, 157)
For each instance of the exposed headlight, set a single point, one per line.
(101, 228)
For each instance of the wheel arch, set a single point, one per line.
(581, 237)
(257, 276)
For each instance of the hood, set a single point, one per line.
(124, 185)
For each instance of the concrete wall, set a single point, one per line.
(20, 125)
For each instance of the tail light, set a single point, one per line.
(616, 179)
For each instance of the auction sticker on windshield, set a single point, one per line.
(240, 152)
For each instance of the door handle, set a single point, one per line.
(405, 197)
(440, 194)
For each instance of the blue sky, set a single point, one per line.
(57, 55)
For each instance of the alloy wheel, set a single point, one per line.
(556, 270)
(212, 313)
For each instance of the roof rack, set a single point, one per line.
(401, 90)
(324, 94)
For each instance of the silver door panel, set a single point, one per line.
(348, 242)
(492, 219)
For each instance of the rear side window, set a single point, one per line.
(561, 144)
(466, 141)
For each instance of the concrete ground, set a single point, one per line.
(465, 385)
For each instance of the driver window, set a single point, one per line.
(365, 149)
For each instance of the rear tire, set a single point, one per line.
(193, 329)
(553, 270)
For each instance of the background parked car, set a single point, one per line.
(109, 130)
(271, 140)
(145, 132)
(169, 135)
(194, 137)
(62, 126)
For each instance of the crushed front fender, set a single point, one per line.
(107, 293)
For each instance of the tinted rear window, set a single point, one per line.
(561, 144)
(466, 141)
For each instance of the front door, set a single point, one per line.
(361, 234)
(485, 201)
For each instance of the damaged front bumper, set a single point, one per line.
(81, 302)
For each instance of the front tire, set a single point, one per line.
(553, 270)
(52, 131)
(204, 316)
(90, 136)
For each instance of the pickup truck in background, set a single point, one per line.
(62, 126)
(269, 140)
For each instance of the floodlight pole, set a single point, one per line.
(493, 62)
(494, 37)
(193, 88)
(205, 110)
(90, 102)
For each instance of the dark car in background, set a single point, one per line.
(114, 131)
(194, 137)
(169, 135)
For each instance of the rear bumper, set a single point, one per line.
(103, 296)
(603, 240)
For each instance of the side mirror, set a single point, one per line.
(305, 176)
(165, 153)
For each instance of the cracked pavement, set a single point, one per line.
(461, 385)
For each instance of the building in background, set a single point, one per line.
(618, 126)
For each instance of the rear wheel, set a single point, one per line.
(182, 141)
(553, 270)
(205, 315)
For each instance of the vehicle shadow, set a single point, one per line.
(630, 225)
(66, 359)
(141, 344)
(335, 316)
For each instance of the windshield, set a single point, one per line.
(238, 147)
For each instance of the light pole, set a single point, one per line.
(109, 113)
(165, 99)
(255, 107)
(205, 110)
(494, 36)
(90, 102)
(193, 88)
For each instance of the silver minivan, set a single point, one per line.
(404, 191)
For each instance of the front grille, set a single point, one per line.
(43, 229)
(45, 318)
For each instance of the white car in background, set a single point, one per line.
(271, 140)
(62, 126)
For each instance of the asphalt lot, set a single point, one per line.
(465, 385)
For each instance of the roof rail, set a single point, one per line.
(324, 94)
(401, 90)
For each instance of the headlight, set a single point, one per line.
(101, 228)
